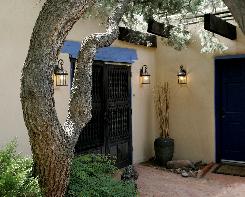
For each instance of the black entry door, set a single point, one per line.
(110, 129)
(232, 110)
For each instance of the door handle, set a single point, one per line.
(222, 113)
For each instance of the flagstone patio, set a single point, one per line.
(154, 182)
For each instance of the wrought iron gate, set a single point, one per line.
(110, 129)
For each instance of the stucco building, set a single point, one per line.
(192, 106)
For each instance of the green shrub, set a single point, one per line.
(91, 176)
(15, 174)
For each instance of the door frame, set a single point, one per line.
(218, 100)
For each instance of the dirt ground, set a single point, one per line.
(157, 183)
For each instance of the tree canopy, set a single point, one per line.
(176, 13)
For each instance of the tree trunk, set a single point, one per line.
(237, 9)
(53, 145)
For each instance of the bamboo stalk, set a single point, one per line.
(161, 101)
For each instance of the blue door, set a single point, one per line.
(231, 110)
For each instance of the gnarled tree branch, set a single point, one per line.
(80, 101)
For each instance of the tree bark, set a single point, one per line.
(53, 145)
(237, 9)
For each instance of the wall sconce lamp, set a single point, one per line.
(60, 74)
(182, 76)
(144, 75)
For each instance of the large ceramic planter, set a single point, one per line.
(164, 150)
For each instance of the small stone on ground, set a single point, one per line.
(184, 174)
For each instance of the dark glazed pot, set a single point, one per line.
(164, 150)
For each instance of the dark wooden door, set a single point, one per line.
(232, 110)
(110, 129)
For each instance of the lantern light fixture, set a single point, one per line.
(60, 74)
(144, 75)
(182, 75)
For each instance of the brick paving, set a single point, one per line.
(154, 182)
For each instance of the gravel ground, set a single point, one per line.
(157, 183)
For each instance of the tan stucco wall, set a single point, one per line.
(17, 20)
(192, 121)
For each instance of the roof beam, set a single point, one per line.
(221, 27)
(159, 29)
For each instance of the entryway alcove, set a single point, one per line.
(110, 129)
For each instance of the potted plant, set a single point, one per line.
(163, 145)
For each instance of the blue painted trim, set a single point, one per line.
(72, 48)
(110, 54)
(217, 96)
(116, 54)
(230, 57)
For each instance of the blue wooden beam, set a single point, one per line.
(72, 48)
(108, 54)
